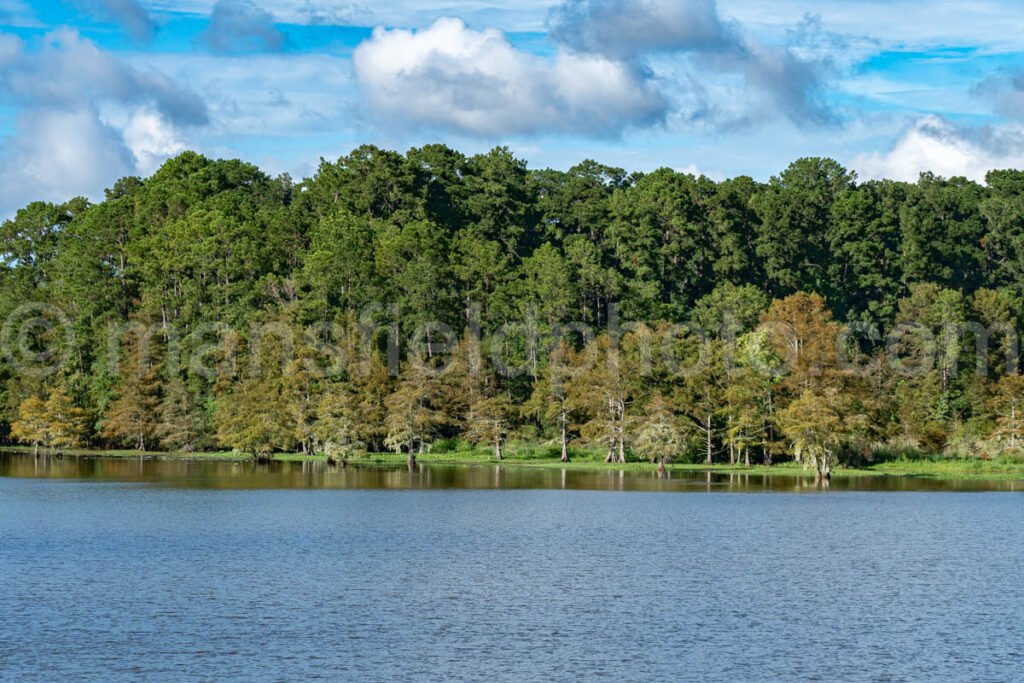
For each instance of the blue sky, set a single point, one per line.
(91, 90)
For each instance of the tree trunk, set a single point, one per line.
(746, 455)
(497, 449)
(411, 460)
(565, 444)
(707, 434)
(661, 466)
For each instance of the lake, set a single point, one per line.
(168, 570)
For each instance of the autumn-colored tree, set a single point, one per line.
(31, 426)
(66, 424)
(340, 425)
(1007, 405)
(133, 417)
(180, 425)
(253, 416)
(804, 335)
(601, 392)
(412, 414)
(56, 423)
(369, 383)
(463, 380)
(302, 392)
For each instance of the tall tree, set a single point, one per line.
(412, 413)
(181, 426)
(32, 425)
(552, 398)
(795, 213)
(66, 424)
(133, 417)
(252, 415)
(658, 435)
(814, 428)
(1007, 405)
(602, 392)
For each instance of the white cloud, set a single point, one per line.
(57, 155)
(934, 144)
(450, 76)
(84, 118)
(71, 70)
(778, 79)
(151, 139)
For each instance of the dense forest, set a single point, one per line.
(434, 300)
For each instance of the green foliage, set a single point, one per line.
(388, 258)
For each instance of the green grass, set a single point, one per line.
(543, 457)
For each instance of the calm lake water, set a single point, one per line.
(221, 571)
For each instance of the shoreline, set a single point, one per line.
(938, 469)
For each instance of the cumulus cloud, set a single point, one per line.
(151, 140)
(476, 82)
(84, 119)
(934, 144)
(241, 26)
(70, 70)
(129, 14)
(784, 79)
(55, 155)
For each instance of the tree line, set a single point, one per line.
(433, 299)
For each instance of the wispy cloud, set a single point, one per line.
(17, 13)
(129, 14)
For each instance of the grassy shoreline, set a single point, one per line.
(938, 468)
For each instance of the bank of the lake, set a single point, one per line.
(940, 469)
